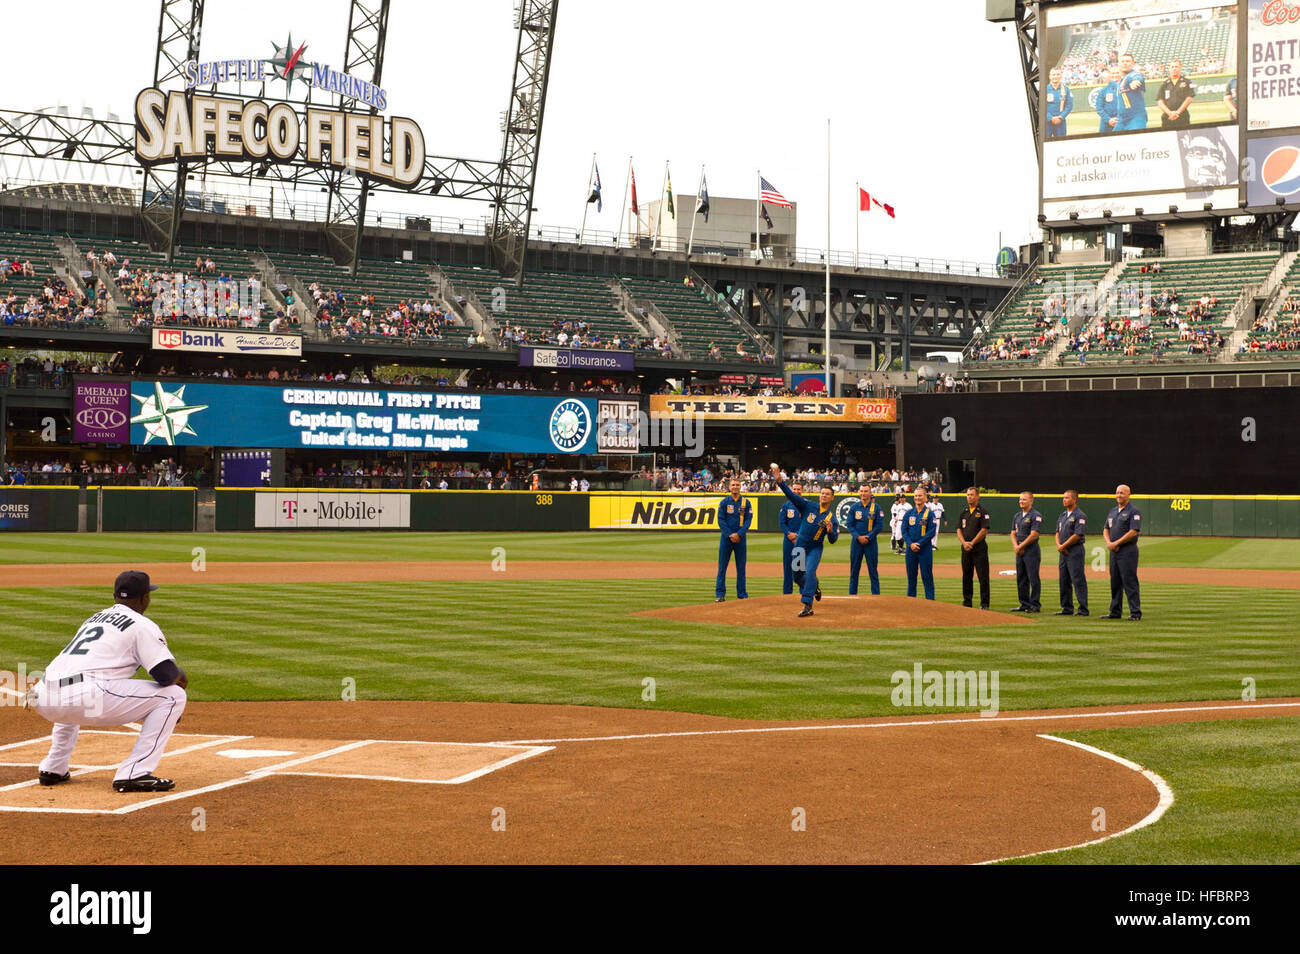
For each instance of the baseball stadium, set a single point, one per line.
(470, 539)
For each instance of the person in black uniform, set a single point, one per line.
(1123, 524)
(1025, 527)
(1175, 98)
(1071, 527)
(972, 529)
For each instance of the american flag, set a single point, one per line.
(767, 193)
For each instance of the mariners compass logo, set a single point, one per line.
(165, 414)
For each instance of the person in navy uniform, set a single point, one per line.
(817, 525)
(789, 523)
(1230, 98)
(866, 519)
(1060, 103)
(1123, 524)
(1025, 527)
(735, 514)
(972, 531)
(919, 527)
(1108, 102)
(1071, 531)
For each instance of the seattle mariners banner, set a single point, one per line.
(249, 415)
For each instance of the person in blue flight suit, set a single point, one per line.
(735, 514)
(1108, 102)
(1132, 95)
(866, 520)
(789, 522)
(920, 525)
(1123, 524)
(817, 525)
(1230, 99)
(1025, 528)
(1060, 103)
(1071, 531)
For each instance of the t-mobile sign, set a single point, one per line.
(101, 412)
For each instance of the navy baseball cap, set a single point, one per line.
(132, 584)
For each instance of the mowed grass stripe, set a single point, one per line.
(134, 548)
(531, 641)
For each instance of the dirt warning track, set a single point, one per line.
(329, 782)
(341, 571)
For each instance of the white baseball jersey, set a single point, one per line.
(112, 644)
(896, 519)
(938, 523)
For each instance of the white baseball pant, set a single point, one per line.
(109, 702)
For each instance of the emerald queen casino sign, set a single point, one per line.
(171, 127)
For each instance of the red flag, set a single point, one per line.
(635, 210)
(866, 202)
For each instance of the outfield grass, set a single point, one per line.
(1235, 795)
(1222, 552)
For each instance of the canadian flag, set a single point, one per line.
(866, 202)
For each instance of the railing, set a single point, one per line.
(721, 301)
(1001, 310)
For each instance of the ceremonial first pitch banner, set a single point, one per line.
(237, 415)
(812, 410)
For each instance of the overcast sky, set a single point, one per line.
(924, 98)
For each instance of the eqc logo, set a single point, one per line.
(170, 339)
(1280, 171)
(570, 423)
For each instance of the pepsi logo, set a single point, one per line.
(1280, 171)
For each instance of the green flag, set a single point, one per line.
(671, 211)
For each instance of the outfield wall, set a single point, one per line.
(166, 509)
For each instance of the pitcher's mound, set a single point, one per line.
(836, 612)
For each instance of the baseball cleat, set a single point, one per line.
(145, 783)
(1064, 613)
(1110, 616)
(719, 599)
(806, 611)
(818, 594)
(1136, 618)
(49, 778)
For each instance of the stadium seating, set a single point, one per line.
(550, 300)
(1189, 42)
(1124, 338)
(699, 322)
(40, 250)
(1018, 329)
(1280, 335)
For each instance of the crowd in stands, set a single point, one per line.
(163, 473)
(843, 480)
(1134, 335)
(46, 372)
(1014, 347)
(156, 296)
(411, 320)
(53, 307)
(1275, 334)
(579, 334)
(11, 266)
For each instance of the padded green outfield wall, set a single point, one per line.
(141, 508)
(38, 508)
(518, 510)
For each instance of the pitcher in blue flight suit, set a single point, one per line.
(789, 522)
(866, 518)
(920, 524)
(1108, 102)
(1060, 103)
(1132, 95)
(1025, 529)
(817, 525)
(1123, 524)
(1071, 532)
(735, 514)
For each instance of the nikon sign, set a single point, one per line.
(658, 511)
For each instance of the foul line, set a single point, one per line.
(1161, 786)
(982, 720)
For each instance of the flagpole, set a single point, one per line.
(691, 241)
(857, 221)
(828, 258)
(659, 224)
(582, 233)
(622, 209)
(758, 202)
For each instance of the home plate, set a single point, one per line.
(255, 753)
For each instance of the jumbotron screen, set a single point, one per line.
(1150, 104)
